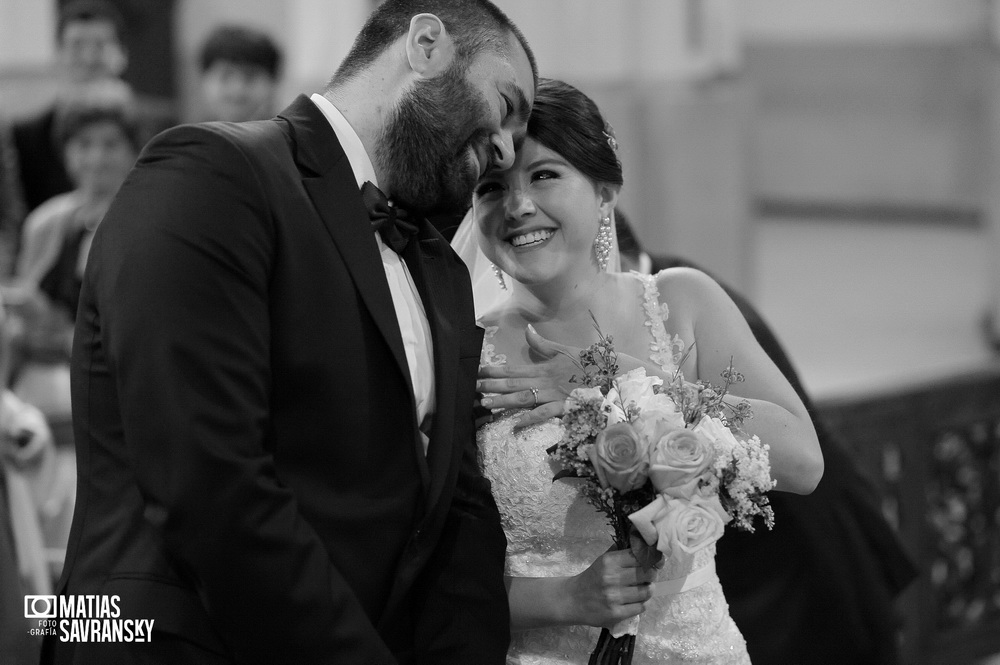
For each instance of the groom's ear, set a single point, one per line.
(430, 49)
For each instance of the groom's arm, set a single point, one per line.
(465, 616)
(182, 268)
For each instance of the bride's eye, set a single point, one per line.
(487, 188)
(544, 175)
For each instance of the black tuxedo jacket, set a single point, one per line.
(250, 470)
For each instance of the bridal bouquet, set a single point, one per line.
(665, 460)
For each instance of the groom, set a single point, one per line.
(272, 407)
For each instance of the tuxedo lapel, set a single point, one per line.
(329, 180)
(437, 295)
(339, 205)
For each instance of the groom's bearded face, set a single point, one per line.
(425, 146)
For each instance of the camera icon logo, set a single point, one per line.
(40, 607)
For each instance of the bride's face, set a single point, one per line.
(538, 220)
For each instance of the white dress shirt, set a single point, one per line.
(410, 312)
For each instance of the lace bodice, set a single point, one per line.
(553, 531)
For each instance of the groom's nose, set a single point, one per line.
(502, 144)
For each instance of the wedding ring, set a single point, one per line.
(534, 392)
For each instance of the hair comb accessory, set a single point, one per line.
(609, 132)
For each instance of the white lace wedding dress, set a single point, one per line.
(553, 531)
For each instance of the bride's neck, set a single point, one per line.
(559, 301)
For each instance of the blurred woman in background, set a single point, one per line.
(99, 138)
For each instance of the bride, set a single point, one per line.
(547, 227)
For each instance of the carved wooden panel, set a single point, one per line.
(934, 453)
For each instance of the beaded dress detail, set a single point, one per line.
(552, 531)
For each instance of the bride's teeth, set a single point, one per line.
(531, 238)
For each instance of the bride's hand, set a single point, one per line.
(541, 387)
(613, 588)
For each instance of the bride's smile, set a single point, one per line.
(531, 238)
(540, 218)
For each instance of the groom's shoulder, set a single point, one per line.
(243, 136)
(215, 147)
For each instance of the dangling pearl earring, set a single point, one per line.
(602, 243)
(500, 279)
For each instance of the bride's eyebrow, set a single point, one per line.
(544, 161)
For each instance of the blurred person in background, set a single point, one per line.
(99, 138)
(39, 487)
(89, 48)
(820, 587)
(12, 208)
(240, 67)
(90, 38)
(16, 645)
(34, 488)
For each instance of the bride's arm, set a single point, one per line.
(613, 588)
(720, 334)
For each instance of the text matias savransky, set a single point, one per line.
(85, 618)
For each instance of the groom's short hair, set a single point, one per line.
(474, 25)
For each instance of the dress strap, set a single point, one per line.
(487, 357)
(665, 351)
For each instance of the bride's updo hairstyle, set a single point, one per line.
(565, 120)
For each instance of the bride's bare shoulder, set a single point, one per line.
(689, 289)
(683, 280)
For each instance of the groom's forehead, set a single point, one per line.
(511, 69)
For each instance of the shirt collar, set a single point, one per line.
(361, 163)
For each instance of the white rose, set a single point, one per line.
(679, 527)
(678, 458)
(619, 457)
(636, 388)
(720, 435)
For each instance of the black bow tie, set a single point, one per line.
(395, 225)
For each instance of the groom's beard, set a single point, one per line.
(424, 147)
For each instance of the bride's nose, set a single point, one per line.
(517, 204)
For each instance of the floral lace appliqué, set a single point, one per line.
(489, 357)
(665, 351)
